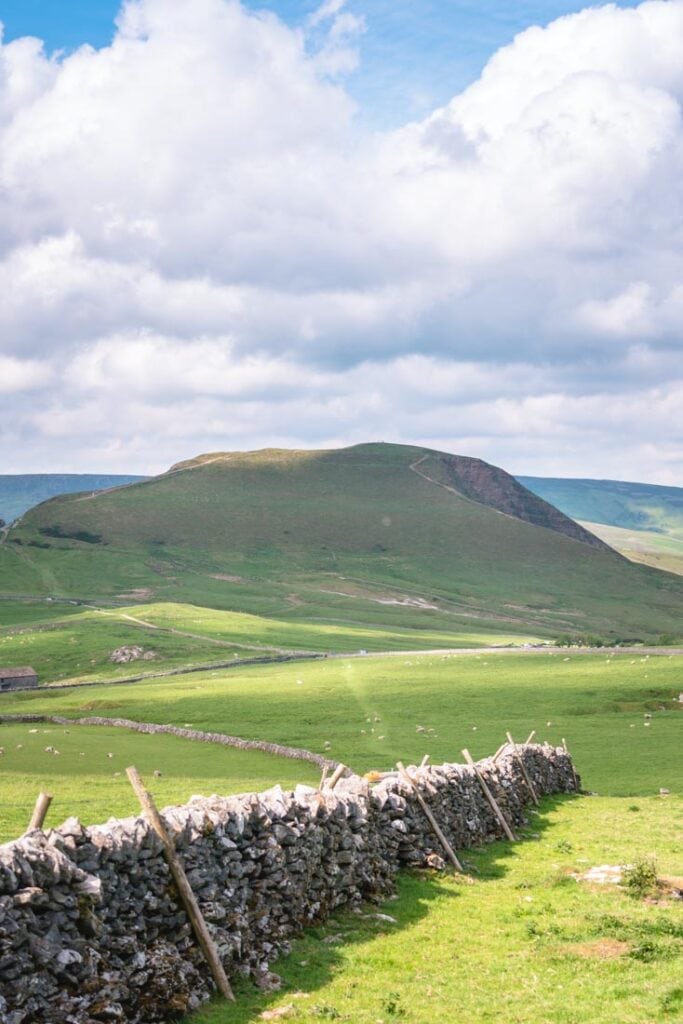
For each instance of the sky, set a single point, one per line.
(231, 226)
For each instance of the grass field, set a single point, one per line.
(86, 782)
(75, 644)
(79, 646)
(596, 702)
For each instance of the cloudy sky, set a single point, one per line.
(225, 226)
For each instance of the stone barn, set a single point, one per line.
(17, 678)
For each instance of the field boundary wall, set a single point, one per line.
(91, 929)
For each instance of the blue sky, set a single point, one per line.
(415, 54)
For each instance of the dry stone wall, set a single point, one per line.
(91, 929)
(149, 728)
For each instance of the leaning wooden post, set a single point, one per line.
(336, 776)
(323, 777)
(530, 737)
(491, 799)
(40, 811)
(520, 762)
(499, 752)
(183, 886)
(571, 762)
(430, 817)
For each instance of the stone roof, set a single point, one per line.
(14, 673)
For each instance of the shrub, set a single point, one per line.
(641, 878)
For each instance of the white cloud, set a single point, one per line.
(22, 375)
(625, 315)
(200, 247)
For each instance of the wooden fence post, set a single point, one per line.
(571, 762)
(336, 776)
(430, 817)
(520, 762)
(499, 752)
(183, 886)
(491, 799)
(40, 811)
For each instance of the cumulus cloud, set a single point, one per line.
(200, 246)
(22, 374)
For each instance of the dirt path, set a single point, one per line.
(413, 466)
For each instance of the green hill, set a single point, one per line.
(373, 534)
(20, 491)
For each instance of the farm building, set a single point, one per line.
(17, 678)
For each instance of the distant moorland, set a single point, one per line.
(643, 521)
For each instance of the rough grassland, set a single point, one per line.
(596, 702)
(77, 646)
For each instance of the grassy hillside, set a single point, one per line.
(21, 491)
(376, 534)
(660, 550)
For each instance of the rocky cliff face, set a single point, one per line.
(90, 924)
(492, 486)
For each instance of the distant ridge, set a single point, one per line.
(642, 521)
(21, 491)
(631, 506)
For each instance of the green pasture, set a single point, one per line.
(235, 627)
(86, 782)
(425, 704)
(79, 647)
(75, 644)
